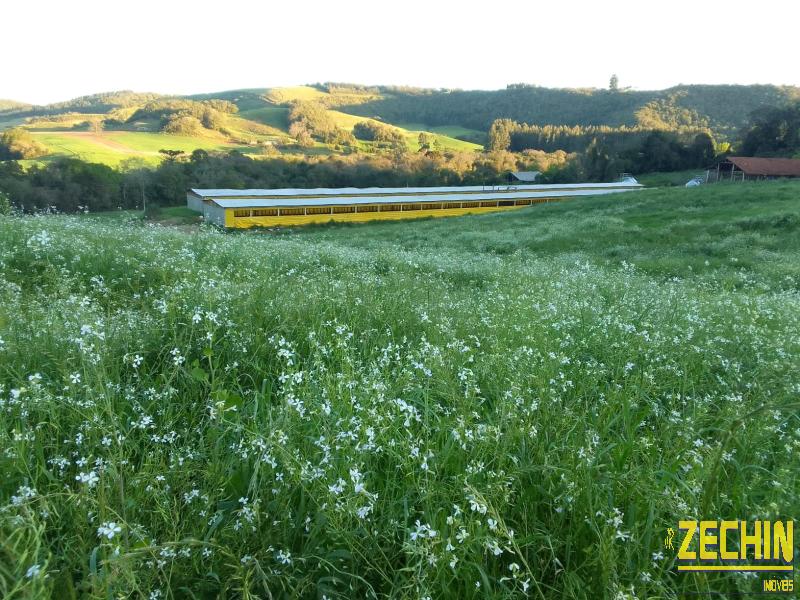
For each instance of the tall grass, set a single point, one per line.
(497, 406)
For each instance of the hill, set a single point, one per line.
(520, 404)
(12, 105)
(723, 108)
(453, 120)
(254, 121)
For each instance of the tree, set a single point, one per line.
(500, 134)
(775, 131)
(426, 141)
(171, 154)
(136, 175)
(182, 124)
(613, 83)
(96, 125)
(18, 143)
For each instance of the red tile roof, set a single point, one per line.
(769, 167)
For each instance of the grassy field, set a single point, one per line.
(113, 147)
(669, 179)
(508, 405)
(274, 116)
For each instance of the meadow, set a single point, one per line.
(113, 147)
(499, 406)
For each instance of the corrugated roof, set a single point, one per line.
(228, 193)
(364, 199)
(768, 167)
(526, 175)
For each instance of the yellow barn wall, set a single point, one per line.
(245, 222)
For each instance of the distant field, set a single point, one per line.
(288, 94)
(448, 130)
(274, 116)
(112, 147)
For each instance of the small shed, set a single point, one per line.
(524, 176)
(741, 168)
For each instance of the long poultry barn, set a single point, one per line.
(237, 209)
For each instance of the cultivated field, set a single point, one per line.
(497, 406)
(113, 147)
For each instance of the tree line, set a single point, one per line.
(69, 185)
(722, 108)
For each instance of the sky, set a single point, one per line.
(56, 50)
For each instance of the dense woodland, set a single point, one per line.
(723, 108)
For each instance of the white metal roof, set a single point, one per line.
(526, 175)
(228, 193)
(404, 199)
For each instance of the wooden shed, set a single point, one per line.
(748, 168)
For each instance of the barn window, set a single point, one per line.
(265, 212)
(506, 203)
(412, 207)
(523, 202)
(391, 207)
(436, 206)
(488, 204)
(470, 204)
(368, 208)
(241, 213)
(344, 209)
(318, 210)
(285, 212)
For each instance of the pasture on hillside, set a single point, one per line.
(508, 405)
(113, 147)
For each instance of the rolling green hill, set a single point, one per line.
(133, 124)
(455, 120)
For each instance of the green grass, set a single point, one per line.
(153, 142)
(497, 406)
(348, 121)
(452, 131)
(291, 94)
(113, 147)
(277, 117)
(274, 116)
(669, 179)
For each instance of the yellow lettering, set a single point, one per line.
(683, 552)
(723, 538)
(784, 541)
(765, 539)
(706, 539)
(754, 540)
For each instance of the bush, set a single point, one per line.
(19, 143)
(183, 125)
